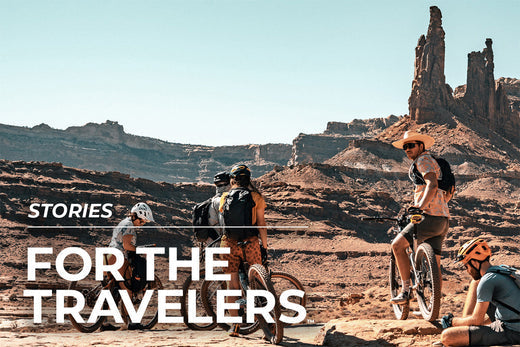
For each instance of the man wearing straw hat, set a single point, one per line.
(427, 197)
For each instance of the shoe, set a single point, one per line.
(108, 327)
(135, 326)
(234, 330)
(402, 298)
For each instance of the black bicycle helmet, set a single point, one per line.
(221, 178)
(240, 170)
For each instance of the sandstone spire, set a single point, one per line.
(486, 98)
(430, 94)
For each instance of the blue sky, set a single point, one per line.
(231, 72)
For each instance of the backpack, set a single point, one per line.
(512, 273)
(199, 219)
(509, 271)
(447, 183)
(237, 210)
(138, 279)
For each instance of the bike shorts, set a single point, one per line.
(432, 230)
(236, 255)
(494, 334)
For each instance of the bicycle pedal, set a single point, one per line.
(417, 313)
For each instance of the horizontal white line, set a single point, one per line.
(163, 227)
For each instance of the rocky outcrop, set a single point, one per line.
(360, 127)
(430, 95)
(365, 332)
(317, 148)
(90, 145)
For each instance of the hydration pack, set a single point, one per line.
(447, 181)
(237, 209)
(200, 219)
(509, 271)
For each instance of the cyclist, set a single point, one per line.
(428, 198)
(124, 239)
(221, 181)
(490, 292)
(241, 179)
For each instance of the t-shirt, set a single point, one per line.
(125, 227)
(438, 206)
(494, 287)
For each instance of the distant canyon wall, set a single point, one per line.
(107, 147)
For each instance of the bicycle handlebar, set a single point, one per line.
(379, 218)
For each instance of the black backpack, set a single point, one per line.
(200, 219)
(138, 280)
(238, 211)
(447, 183)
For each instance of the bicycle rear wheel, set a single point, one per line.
(428, 282)
(90, 289)
(259, 279)
(283, 281)
(189, 284)
(401, 311)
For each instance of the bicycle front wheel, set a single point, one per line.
(259, 279)
(428, 282)
(189, 284)
(401, 311)
(283, 281)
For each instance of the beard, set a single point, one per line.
(474, 273)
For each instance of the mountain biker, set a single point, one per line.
(428, 198)
(490, 293)
(124, 239)
(241, 178)
(221, 181)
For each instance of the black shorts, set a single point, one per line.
(432, 230)
(493, 335)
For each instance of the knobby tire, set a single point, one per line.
(429, 282)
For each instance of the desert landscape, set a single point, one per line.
(323, 185)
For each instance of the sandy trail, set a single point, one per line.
(302, 335)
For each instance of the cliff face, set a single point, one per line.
(106, 147)
(318, 148)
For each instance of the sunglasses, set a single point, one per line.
(409, 145)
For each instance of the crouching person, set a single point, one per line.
(492, 292)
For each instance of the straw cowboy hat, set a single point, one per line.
(412, 136)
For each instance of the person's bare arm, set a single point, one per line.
(127, 243)
(431, 189)
(477, 318)
(260, 222)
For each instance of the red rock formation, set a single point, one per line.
(488, 99)
(430, 94)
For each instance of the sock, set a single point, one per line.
(405, 285)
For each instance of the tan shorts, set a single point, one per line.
(236, 255)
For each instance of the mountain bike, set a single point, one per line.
(251, 277)
(424, 274)
(281, 280)
(91, 290)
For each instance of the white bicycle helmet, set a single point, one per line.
(143, 211)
